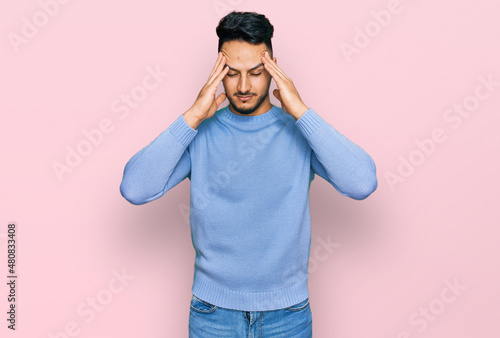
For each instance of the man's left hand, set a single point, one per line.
(289, 97)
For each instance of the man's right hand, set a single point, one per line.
(206, 104)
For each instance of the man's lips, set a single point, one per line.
(244, 98)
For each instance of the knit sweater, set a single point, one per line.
(249, 207)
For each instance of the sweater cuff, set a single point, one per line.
(182, 131)
(309, 122)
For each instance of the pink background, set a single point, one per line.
(395, 254)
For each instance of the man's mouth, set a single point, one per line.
(244, 98)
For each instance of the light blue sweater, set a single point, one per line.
(249, 211)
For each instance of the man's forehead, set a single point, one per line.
(243, 50)
(227, 53)
(243, 59)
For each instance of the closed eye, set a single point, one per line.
(231, 75)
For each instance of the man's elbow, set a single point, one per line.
(131, 194)
(366, 189)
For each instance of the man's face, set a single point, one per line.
(243, 79)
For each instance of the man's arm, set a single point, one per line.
(341, 162)
(159, 166)
(338, 160)
(165, 162)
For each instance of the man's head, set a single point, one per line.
(244, 37)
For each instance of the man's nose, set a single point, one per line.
(243, 85)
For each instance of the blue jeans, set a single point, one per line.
(207, 320)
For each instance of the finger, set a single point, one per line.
(220, 69)
(219, 57)
(220, 99)
(271, 70)
(221, 60)
(215, 65)
(276, 76)
(272, 65)
(220, 76)
(275, 65)
(276, 93)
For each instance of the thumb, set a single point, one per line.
(276, 93)
(220, 99)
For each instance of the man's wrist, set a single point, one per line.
(192, 118)
(298, 113)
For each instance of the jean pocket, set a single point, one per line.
(300, 306)
(201, 306)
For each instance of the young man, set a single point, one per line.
(250, 165)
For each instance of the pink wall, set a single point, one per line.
(415, 83)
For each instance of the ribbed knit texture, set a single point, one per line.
(249, 211)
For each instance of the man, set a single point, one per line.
(250, 165)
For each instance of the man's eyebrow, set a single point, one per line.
(253, 68)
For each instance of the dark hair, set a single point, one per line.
(251, 27)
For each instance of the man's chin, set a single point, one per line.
(245, 111)
(240, 108)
